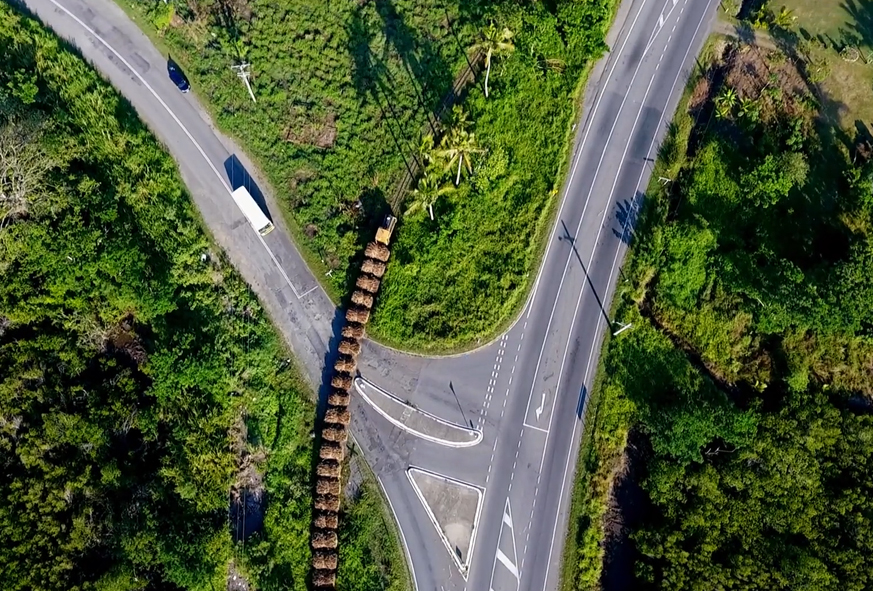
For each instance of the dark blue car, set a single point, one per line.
(177, 77)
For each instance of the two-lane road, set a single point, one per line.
(211, 166)
(570, 305)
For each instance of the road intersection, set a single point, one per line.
(518, 403)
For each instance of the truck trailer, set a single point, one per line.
(253, 213)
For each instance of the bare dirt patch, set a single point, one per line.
(308, 128)
(247, 496)
(753, 69)
(122, 339)
(754, 83)
(767, 77)
(701, 94)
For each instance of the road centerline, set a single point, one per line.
(96, 35)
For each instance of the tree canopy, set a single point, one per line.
(143, 392)
(749, 368)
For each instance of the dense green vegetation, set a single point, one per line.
(346, 91)
(370, 557)
(142, 389)
(748, 374)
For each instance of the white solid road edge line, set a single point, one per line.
(464, 567)
(94, 34)
(582, 217)
(361, 384)
(572, 465)
(402, 535)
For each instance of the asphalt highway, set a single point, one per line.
(527, 390)
(568, 313)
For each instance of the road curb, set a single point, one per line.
(477, 433)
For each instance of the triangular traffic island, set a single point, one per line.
(453, 507)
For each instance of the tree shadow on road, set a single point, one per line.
(627, 214)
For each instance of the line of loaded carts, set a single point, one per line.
(334, 434)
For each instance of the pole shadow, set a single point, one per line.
(460, 408)
(239, 177)
(566, 237)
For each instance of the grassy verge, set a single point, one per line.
(370, 557)
(343, 95)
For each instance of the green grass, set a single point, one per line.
(376, 70)
(370, 557)
(832, 19)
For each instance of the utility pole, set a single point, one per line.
(242, 70)
(622, 329)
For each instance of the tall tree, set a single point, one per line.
(493, 42)
(459, 146)
(23, 167)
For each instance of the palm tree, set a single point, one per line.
(785, 18)
(493, 42)
(749, 109)
(427, 193)
(424, 152)
(459, 146)
(459, 119)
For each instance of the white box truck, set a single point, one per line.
(253, 213)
